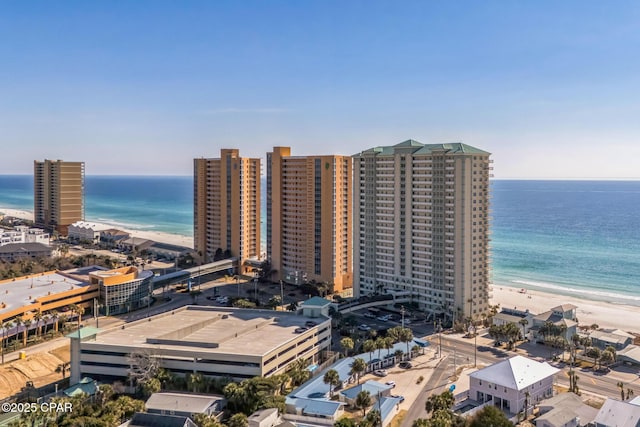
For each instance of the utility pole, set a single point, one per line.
(281, 295)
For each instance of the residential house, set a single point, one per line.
(15, 251)
(511, 383)
(515, 316)
(144, 419)
(264, 418)
(185, 404)
(376, 389)
(611, 337)
(562, 318)
(565, 410)
(615, 413)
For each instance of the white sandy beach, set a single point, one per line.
(157, 236)
(605, 314)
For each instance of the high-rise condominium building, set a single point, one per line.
(422, 225)
(227, 207)
(309, 224)
(58, 194)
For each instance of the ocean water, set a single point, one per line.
(578, 238)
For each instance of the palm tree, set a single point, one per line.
(5, 326)
(62, 368)
(18, 320)
(358, 367)
(369, 346)
(55, 315)
(524, 323)
(195, 380)
(380, 344)
(37, 317)
(621, 385)
(332, 378)
(406, 335)
(398, 354)
(25, 331)
(347, 345)
(363, 401)
(79, 311)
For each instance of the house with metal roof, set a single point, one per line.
(513, 383)
(565, 410)
(144, 419)
(615, 413)
(562, 317)
(376, 389)
(313, 411)
(610, 337)
(185, 404)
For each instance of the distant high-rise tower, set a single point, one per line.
(227, 207)
(309, 224)
(58, 194)
(422, 226)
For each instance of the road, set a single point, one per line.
(461, 352)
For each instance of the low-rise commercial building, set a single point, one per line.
(123, 289)
(23, 297)
(84, 231)
(217, 342)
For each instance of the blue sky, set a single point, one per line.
(550, 88)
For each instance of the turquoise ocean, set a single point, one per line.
(579, 238)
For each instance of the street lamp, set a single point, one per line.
(402, 312)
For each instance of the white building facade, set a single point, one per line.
(23, 234)
(513, 384)
(421, 225)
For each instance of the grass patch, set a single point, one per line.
(397, 420)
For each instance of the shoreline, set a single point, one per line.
(603, 313)
(614, 313)
(158, 236)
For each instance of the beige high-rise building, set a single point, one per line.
(309, 223)
(422, 226)
(227, 207)
(58, 194)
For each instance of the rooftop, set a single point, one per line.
(565, 407)
(316, 302)
(516, 373)
(22, 291)
(209, 329)
(23, 247)
(373, 387)
(618, 414)
(418, 148)
(182, 402)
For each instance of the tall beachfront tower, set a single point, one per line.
(309, 222)
(226, 198)
(58, 194)
(421, 226)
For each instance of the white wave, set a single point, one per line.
(600, 295)
(114, 223)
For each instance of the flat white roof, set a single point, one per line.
(215, 330)
(25, 290)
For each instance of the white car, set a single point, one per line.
(364, 327)
(391, 383)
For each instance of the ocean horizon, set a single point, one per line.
(570, 237)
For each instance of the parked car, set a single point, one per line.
(383, 318)
(391, 383)
(405, 365)
(364, 327)
(300, 330)
(380, 373)
(370, 315)
(398, 397)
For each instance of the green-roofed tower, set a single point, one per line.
(421, 225)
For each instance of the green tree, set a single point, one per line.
(298, 372)
(347, 345)
(238, 420)
(204, 420)
(345, 422)
(332, 378)
(150, 386)
(363, 401)
(358, 367)
(369, 346)
(490, 416)
(594, 353)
